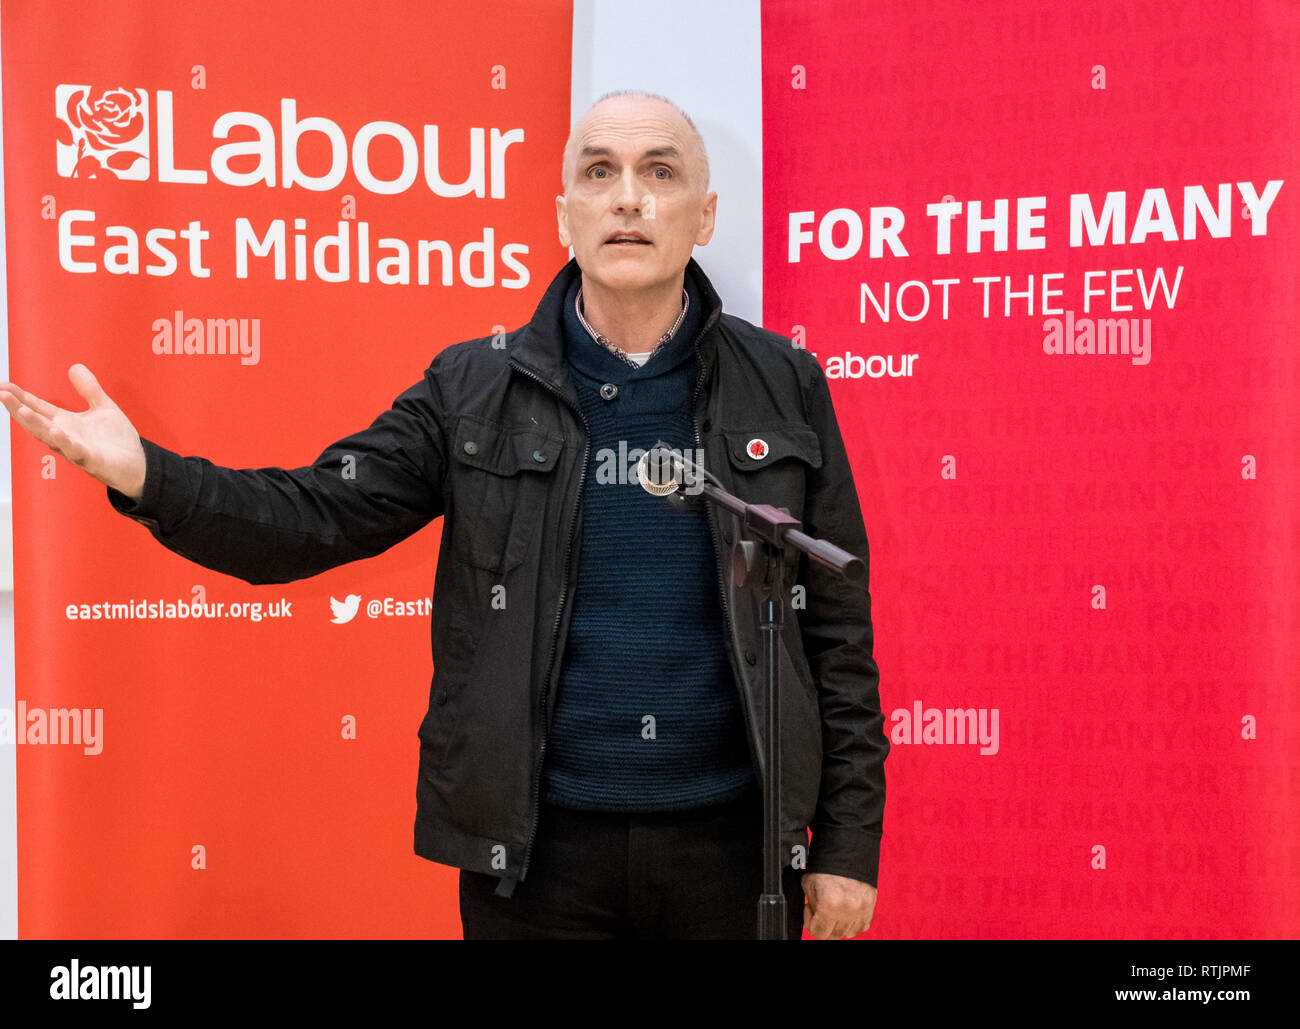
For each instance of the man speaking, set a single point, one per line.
(589, 759)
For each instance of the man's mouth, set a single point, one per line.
(628, 239)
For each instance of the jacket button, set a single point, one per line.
(539, 457)
(442, 696)
(471, 447)
(750, 658)
(609, 391)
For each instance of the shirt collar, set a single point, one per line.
(616, 351)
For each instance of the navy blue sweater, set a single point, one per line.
(646, 716)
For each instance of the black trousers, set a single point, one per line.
(597, 875)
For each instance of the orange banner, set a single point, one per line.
(257, 225)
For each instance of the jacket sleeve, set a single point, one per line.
(837, 637)
(362, 495)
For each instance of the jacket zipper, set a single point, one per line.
(722, 593)
(559, 613)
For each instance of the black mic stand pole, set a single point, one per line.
(764, 560)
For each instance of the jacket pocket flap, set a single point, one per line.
(784, 441)
(505, 449)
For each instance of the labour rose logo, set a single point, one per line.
(102, 133)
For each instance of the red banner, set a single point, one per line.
(1046, 255)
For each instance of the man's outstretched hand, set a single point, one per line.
(100, 440)
(838, 907)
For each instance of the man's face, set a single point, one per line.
(633, 167)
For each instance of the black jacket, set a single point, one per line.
(491, 439)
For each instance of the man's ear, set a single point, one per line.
(707, 220)
(562, 221)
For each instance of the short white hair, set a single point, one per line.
(695, 132)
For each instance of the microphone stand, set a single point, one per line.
(764, 560)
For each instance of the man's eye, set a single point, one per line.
(597, 168)
(667, 172)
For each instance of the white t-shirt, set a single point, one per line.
(639, 359)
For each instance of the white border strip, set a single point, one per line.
(8, 754)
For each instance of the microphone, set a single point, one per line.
(664, 471)
(658, 472)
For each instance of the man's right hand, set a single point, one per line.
(100, 440)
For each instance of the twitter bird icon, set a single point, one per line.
(345, 610)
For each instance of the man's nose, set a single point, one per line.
(627, 198)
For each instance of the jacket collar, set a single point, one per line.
(540, 346)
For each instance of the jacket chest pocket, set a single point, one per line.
(770, 465)
(502, 473)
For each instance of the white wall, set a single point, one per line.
(705, 57)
